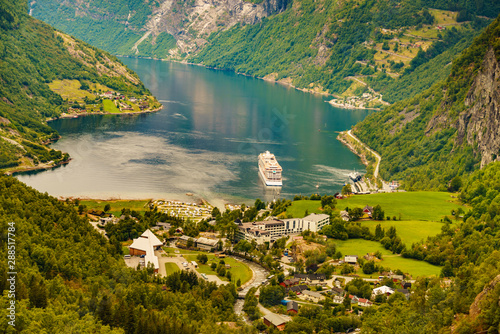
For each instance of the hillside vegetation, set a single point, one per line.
(447, 131)
(70, 278)
(33, 55)
(342, 47)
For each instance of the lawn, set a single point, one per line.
(117, 205)
(238, 270)
(422, 205)
(360, 247)
(410, 231)
(298, 208)
(171, 268)
(110, 107)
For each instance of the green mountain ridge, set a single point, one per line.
(314, 45)
(447, 131)
(32, 55)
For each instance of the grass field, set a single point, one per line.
(238, 270)
(171, 268)
(69, 89)
(298, 208)
(422, 205)
(410, 231)
(117, 205)
(360, 247)
(110, 107)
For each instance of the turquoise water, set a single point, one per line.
(204, 141)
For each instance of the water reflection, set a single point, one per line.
(205, 141)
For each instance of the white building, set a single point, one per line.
(269, 231)
(206, 244)
(146, 245)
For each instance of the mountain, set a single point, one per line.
(447, 131)
(156, 28)
(34, 59)
(397, 49)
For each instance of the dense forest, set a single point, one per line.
(70, 278)
(419, 139)
(32, 55)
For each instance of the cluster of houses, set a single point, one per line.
(300, 284)
(273, 229)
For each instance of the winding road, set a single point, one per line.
(377, 156)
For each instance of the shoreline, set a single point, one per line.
(69, 116)
(279, 82)
(37, 168)
(349, 107)
(42, 167)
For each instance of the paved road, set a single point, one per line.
(375, 173)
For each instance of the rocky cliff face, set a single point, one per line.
(131, 28)
(485, 300)
(191, 25)
(480, 123)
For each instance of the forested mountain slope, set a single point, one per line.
(447, 131)
(71, 279)
(32, 55)
(342, 47)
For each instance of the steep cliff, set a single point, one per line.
(451, 129)
(160, 28)
(480, 122)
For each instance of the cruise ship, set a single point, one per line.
(269, 169)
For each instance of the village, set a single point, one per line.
(220, 260)
(81, 98)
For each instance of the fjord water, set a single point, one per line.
(204, 141)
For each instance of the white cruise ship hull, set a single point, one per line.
(268, 182)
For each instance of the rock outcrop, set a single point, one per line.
(480, 122)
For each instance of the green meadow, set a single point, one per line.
(419, 205)
(361, 247)
(410, 231)
(171, 268)
(238, 269)
(116, 205)
(418, 214)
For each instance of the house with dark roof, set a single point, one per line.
(406, 285)
(405, 292)
(337, 291)
(287, 284)
(292, 307)
(298, 288)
